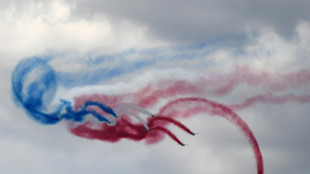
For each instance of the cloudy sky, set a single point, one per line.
(220, 41)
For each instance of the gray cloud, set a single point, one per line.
(201, 20)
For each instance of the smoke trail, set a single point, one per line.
(182, 107)
(200, 105)
(172, 121)
(270, 98)
(125, 106)
(41, 87)
(36, 81)
(217, 85)
(138, 118)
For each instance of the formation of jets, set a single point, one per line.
(146, 130)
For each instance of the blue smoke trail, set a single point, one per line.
(34, 85)
(108, 67)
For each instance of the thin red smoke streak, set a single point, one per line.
(161, 120)
(225, 83)
(169, 133)
(217, 85)
(270, 98)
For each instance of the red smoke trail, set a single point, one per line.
(123, 129)
(200, 105)
(183, 107)
(169, 120)
(221, 84)
(269, 98)
(217, 85)
(225, 83)
(169, 133)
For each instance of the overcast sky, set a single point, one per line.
(199, 38)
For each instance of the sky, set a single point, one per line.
(231, 52)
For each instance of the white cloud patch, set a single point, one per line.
(41, 27)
